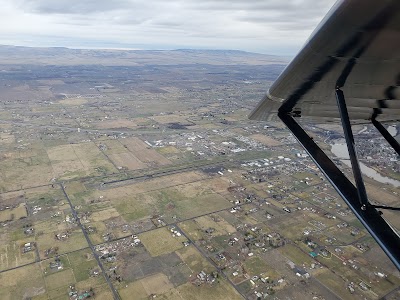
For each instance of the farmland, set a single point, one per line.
(137, 174)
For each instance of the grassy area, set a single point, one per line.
(221, 227)
(75, 187)
(78, 160)
(28, 279)
(192, 230)
(46, 265)
(23, 172)
(168, 150)
(257, 266)
(194, 260)
(75, 241)
(60, 279)
(134, 288)
(135, 207)
(17, 234)
(331, 261)
(343, 235)
(156, 284)
(160, 241)
(293, 226)
(312, 179)
(100, 229)
(81, 264)
(296, 255)
(13, 214)
(188, 208)
(384, 286)
(60, 293)
(219, 290)
(335, 284)
(105, 214)
(184, 201)
(195, 229)
(11, 255)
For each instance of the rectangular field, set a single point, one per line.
(28, 279)
(143, 289)
(11, 255)
(13, 213)
(25, 172)
(160, 241)
(127, 160)
(60, 279)
(296, 255)
(119, 123)
(74, 160)
(194, 260)
(266, 140)
(143, 152)
(171, 119)
(148, 185)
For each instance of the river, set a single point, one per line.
(340, 150)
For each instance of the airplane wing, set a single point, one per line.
(356, 46)
(348, 71)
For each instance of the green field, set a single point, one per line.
(60, 279)
(81, 265)
(160, 241)
(194, 260)
(171, 202)
(296, 255)
(259, 266)
(28, 279)
(220, 290)
(11, 254)
(334, 283)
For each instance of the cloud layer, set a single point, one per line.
(267, 26)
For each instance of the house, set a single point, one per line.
(202, 276)
(209, 230)
(28, 247)
(313, 254)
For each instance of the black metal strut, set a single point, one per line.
(389, 138)
(355, 197)
(371, 218)
(348, 134)
(386, 207)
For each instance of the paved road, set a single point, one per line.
(75, 215)
(177, 170)
(74, 129)
(392, 293)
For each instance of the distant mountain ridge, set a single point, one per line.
(67, 56)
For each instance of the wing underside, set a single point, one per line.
(355, 47)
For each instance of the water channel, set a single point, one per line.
(340, 150)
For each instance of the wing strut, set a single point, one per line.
(391, 140)
(348, 134)
(359, 32)
(371, 218)
(354, 196)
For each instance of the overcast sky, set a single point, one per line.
(265, 26)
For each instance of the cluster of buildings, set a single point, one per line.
(204, 277)
(74, 294)
(28, 247)
(209, 144)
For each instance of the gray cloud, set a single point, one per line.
(276, 5)
(73, 6)
(256, 25)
